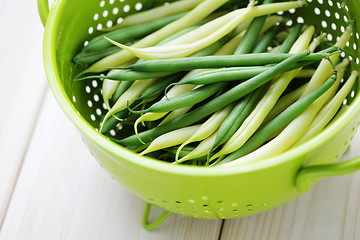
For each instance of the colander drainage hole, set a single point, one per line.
(115, 10)
(109, 24)
(126, 8)
(96, 98)
(119, 20)
(105, 13)
(89, 103)
(94, 83)
(87, 89)
(112, 132)
(138, 6)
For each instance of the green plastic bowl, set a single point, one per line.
(187, 190)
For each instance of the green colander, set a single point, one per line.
(187, 190)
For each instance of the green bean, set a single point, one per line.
(85, 58)
(279, 122)
(252, 33)
(215, 104)
(123, 86)
(234, 74)
(187, 99)
(172, 93)
(160, 85)
(128, 75)
(262, 45)
(290, 39)
(235, 118)
(190, 63)
(186, 150)
(283, 103)
(113, 121)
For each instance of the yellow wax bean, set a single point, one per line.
(329, 111)
(156, 13)
(136, 89)
(207, 34)
(283, 103)
(201, 11)
(324, 71)
(201, 150)
(207, 128)
(109, 88)
(170, 139)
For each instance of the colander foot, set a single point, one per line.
(155, 223)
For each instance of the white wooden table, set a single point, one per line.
(52, 188)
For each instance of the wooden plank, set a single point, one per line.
(63, 193)
(330, 210)
(23, 85)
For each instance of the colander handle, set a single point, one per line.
(43, 8)
(155, 223)
(309, 175)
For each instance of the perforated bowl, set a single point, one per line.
(187, 190)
